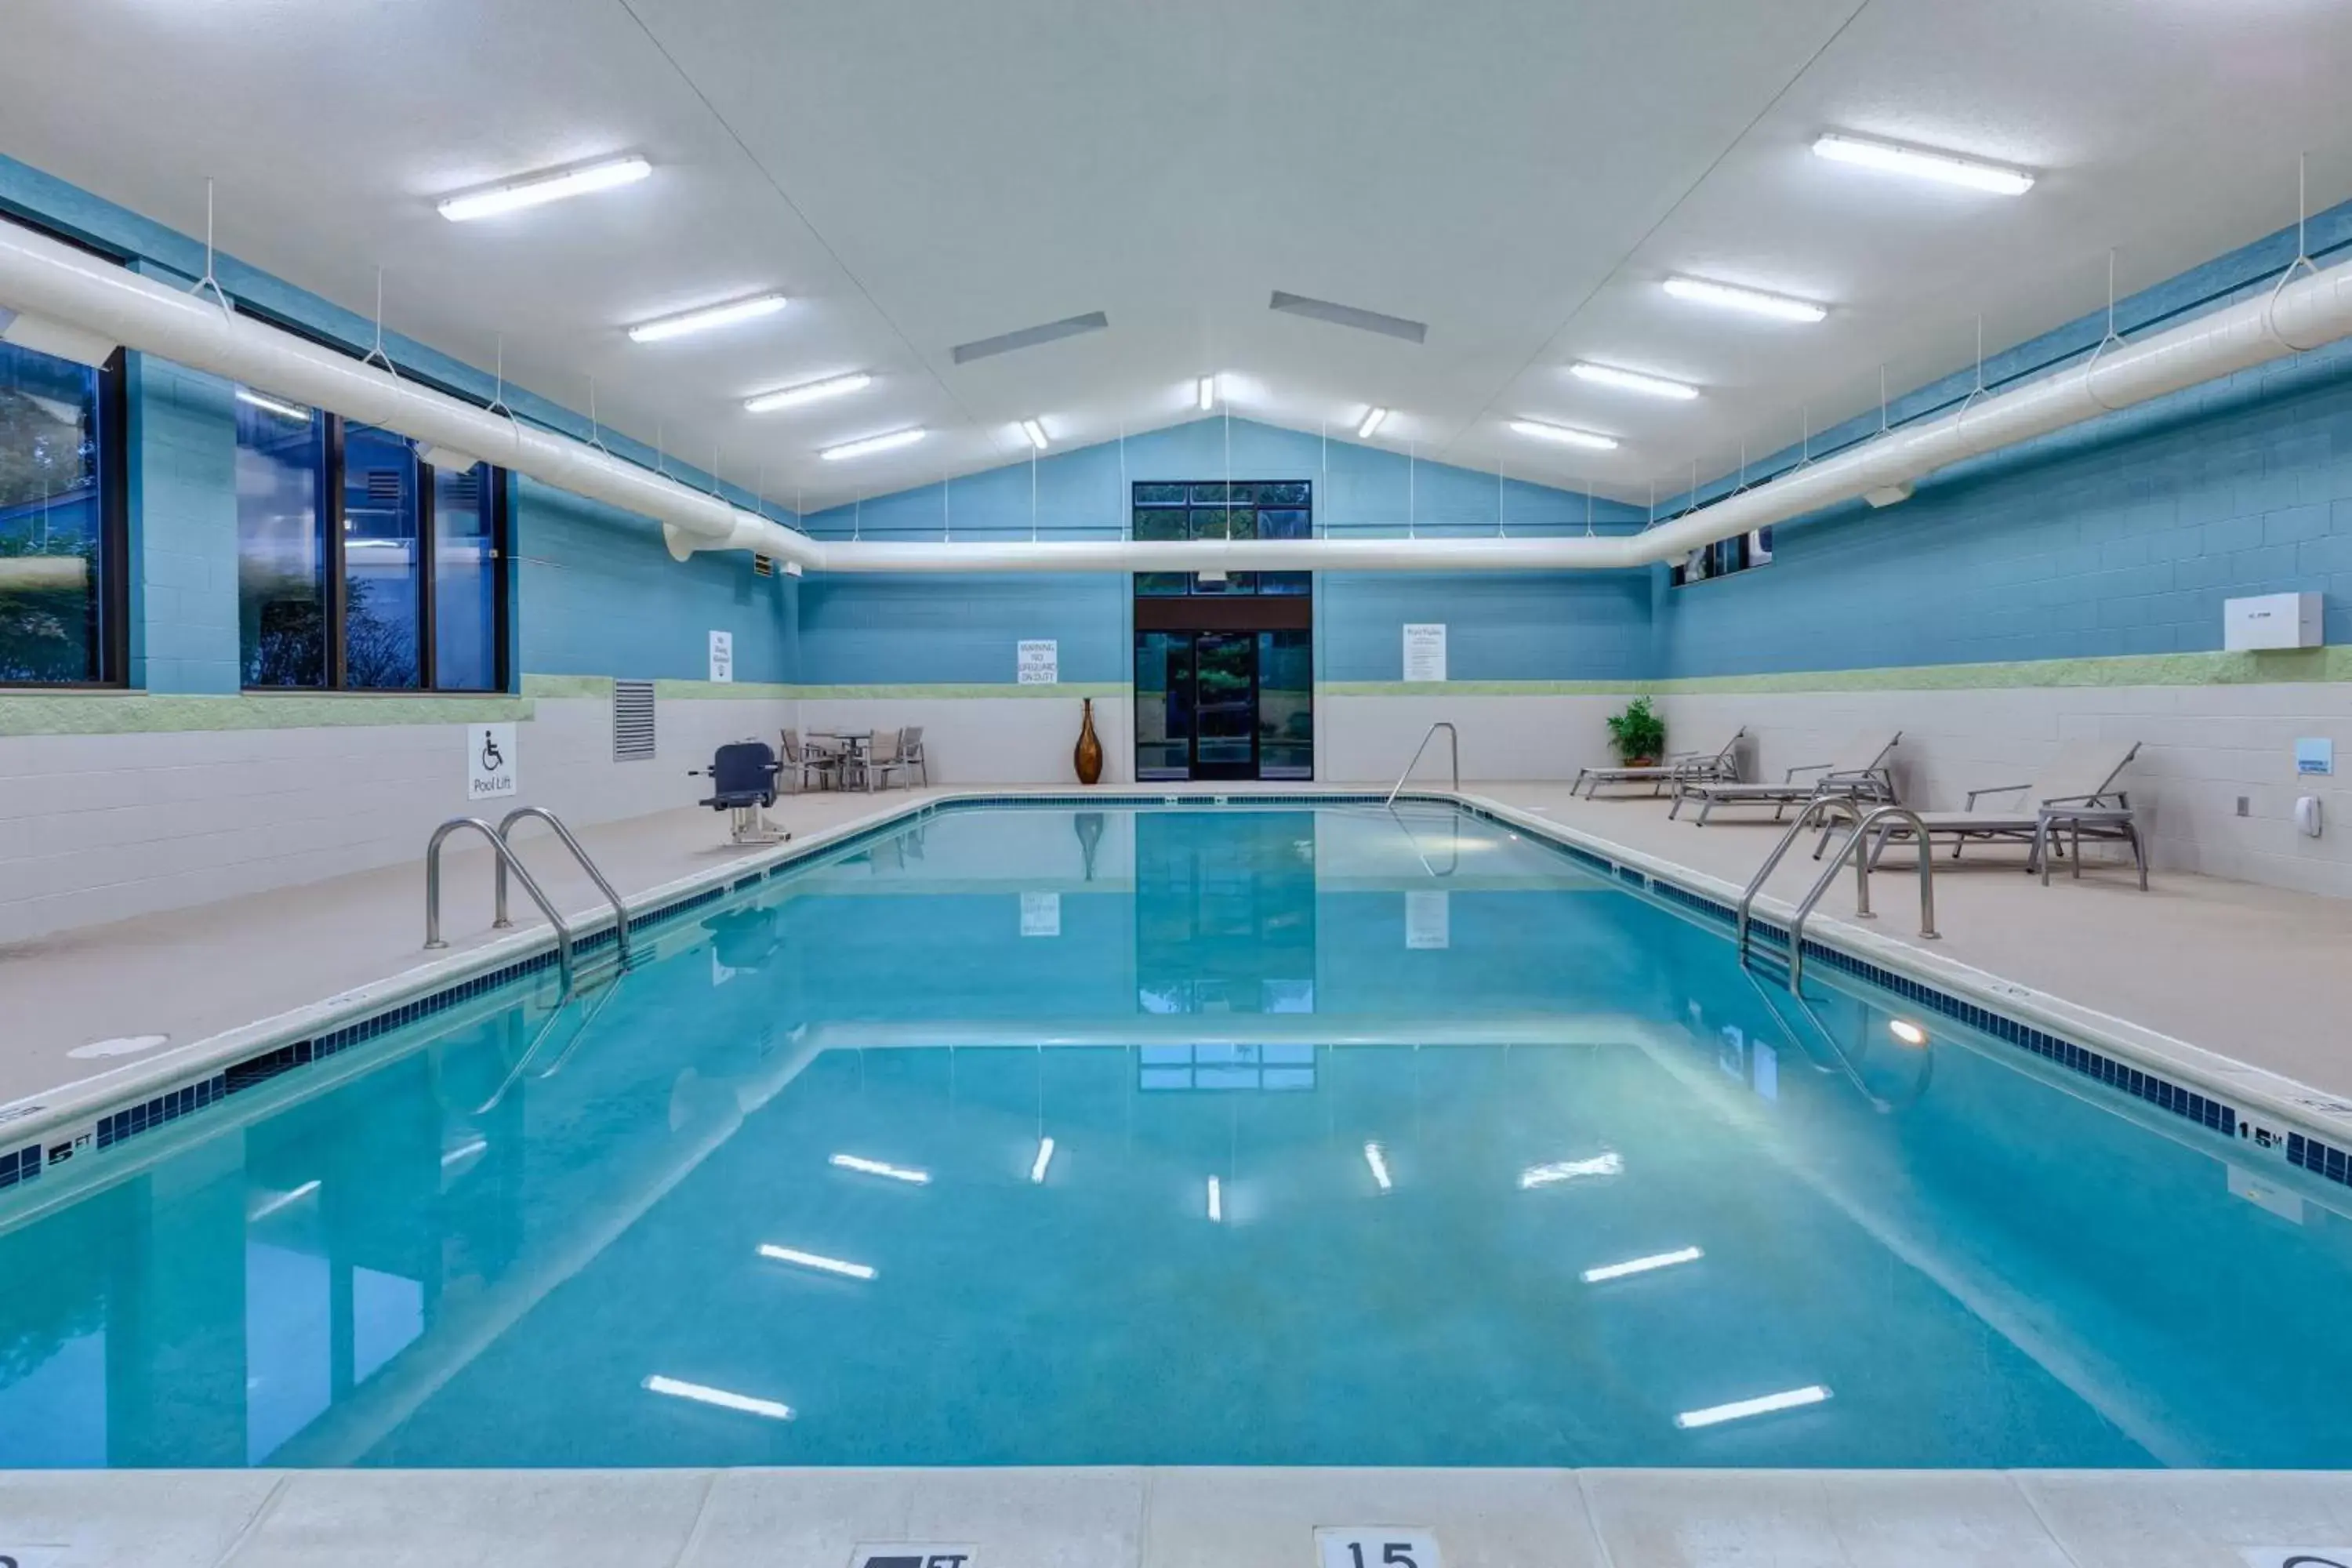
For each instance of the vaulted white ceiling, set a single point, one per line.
(1519, 175)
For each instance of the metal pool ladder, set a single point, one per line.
(1452, 745)
(1854, 846)
(507, 860)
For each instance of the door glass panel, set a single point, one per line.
(1285, 705)
(1164, 705)
(1225, 683)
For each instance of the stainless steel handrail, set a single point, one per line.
(506, 858)
(1819, 804)
(1453, 745)
(1855, 847)
(619, 910)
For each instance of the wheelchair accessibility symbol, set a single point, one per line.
(490, 762)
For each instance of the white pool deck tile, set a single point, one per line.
(2209, 1519)
(1172, 1517)
(1796, 1519)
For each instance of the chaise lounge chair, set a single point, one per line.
(1717, 765)
(2082, 776)
(1859, 771)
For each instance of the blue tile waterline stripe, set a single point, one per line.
(158, 1111)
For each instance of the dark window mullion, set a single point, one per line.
(332, 509)
(427, 668)
(502, 527)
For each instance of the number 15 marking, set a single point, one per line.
(1375, 1546)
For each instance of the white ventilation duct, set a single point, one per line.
(74, 291)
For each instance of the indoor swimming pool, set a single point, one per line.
(1284, 1134)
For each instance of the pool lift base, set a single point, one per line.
(751, 825)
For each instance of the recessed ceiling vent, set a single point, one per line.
(1349, 316)
(1030, 337)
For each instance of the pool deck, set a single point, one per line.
(2251, 975)
(1130, 1517)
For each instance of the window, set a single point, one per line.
(1741, 553)
(360, 567)
(62, 606)
(1219, 510)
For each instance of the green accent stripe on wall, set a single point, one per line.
(1101, 690)
(2283, 667)
(1475, 688)
(141, 713)
(2286, 665)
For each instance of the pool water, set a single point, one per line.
(1241, 1136)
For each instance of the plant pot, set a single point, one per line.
(1641, 762)
(1088, 757)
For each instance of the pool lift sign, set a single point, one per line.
(490, 762)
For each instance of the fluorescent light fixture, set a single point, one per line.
(1044, 1158)
(817, 1261)
(807, 392)
(1564, 436)
(1762, 1404)
(1216, 1201)
(1373, 418)
(1379, 1161)
(1641, 1265)
(283, 1200)
(1632, 380)
(1035, 432)
(1208, 390)
(734, 312)
(701, 1395)
(1921, 165)
(1754, 301)
(463, 1151)
(536, 190)
(1607, 1164)
(1905, 1030)
(879, 1168)
(268, 405)
(873, 443)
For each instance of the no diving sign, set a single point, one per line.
(913, 1554)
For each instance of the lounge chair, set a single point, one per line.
(1859, 771)
(1723, 763)
(2083, 775)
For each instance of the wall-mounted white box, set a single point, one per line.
(2272, 620)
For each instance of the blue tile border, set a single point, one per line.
(2322, 1159)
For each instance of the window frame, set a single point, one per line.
(112, 413)
(333, 516)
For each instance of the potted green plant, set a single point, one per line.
(1638, 733)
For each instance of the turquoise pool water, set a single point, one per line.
(1510, 1166)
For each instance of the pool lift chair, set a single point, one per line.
(743, 783)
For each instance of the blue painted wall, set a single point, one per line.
(1550, 626)
(600, 596)
(181, 447)
(2123, 537)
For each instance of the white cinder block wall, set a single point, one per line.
(2203, 747)
(1369, 740)
(103, 827)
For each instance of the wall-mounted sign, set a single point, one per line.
(2314, 754)
(490, 763)
(723, 657)
(1424, 652)
(1039, 663)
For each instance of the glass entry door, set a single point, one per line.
(1224, 705)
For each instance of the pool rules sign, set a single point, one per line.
(490, 762)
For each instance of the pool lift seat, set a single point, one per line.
(742, 776)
